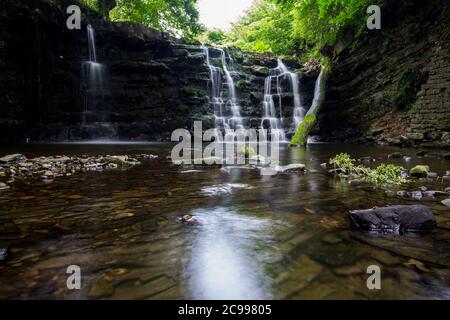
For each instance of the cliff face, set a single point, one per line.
(394, 87)
(151, 83)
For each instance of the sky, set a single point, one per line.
(221, 13)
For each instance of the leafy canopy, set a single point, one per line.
(291, 27)
(177, 17)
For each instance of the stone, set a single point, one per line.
(10, 158)
(432, 175)
(447, 190)
(423, 188)
(189, 219)
(446, 156)
(324, 165)
(395, 155)
(415, 195)
(420, 171)
(399, 218)
(446, 202)
(293, 167)
(446, 178)
(355, 182)
(434, 194)
(3, 254)
(421, 153)
(3, 186)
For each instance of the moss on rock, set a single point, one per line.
(420, 171)
(301, 135)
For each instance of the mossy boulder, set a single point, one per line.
(395, 155)
(301, 135)
(420, 171)
(247, 152)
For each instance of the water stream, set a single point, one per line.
(285, 236)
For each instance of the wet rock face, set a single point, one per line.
(393, 88)
(413, 218)
(152, 83)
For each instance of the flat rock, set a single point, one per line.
(400, 218)
(12, 158)
(293, 167)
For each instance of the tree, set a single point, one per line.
(177, 17)
(105, 6)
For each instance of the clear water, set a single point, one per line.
(284, 237)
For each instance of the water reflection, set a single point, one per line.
(224, 262)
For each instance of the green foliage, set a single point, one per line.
(383, 174)
(215, 37)
(347, 165)
(293, 27)
(301, 135)
(386, 174)
(177, 17)
(265, 27)
(407, 87)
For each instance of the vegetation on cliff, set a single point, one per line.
(289, 27)
(177, 17)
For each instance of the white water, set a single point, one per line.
(92, 74)
(227, 114)
(272, 118)
(317, 94)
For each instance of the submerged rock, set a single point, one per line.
(398, 218)
(395, 155)
(420, 171)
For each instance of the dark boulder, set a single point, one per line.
(413, 218)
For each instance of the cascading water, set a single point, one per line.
(92, 74)
(226, 113)
(271, 118)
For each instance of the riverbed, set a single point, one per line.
(285, 236)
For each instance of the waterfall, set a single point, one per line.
(318, 94)
(271, 118)
(227, 114)
(92, 75)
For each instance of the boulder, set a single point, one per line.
(420, 171)
(400, 218)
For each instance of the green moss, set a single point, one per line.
(240, 84)
(407, 87)
(247, 152)
(301, 135)
(447, 156)
(419, 171)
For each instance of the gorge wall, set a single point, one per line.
(153, 83)
(394, 86)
